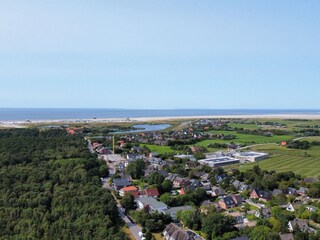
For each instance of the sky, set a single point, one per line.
(160, 54)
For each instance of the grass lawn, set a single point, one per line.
(244, 139)
(128, 233)
(157, 236)
(244, 126)
(158, 149)
(283, 159)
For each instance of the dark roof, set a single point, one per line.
(276, 192)
(177, 233)
(119, 182)
(263, 194)
(302, 224)
(229, 201)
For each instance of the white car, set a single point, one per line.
(140, 234)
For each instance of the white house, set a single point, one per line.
(153, 205)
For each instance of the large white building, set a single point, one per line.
(250, 156)
(219, 161)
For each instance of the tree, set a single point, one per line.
(166, 186)
(155, 178)
(190, 218)
(127, 202)
(148, 235)
(260, 233)
(215, 224)
(136, 169)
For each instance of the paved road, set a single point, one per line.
(134, 228)
(254, 145)
(258, 205)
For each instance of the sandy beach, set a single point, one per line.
(22, 124)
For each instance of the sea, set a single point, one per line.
(36, 114)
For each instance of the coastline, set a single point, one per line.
(21, 124)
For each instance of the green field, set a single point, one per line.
(158, 149)
(303, 162)
(244, 126)
(246, 139)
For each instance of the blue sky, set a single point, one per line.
(160, 54)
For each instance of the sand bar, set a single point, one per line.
(20, 124)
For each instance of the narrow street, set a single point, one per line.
(133, 227)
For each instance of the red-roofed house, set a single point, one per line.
(152, 192)
(283, 144)
(129, 189)
(182, 192)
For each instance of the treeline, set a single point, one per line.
(50, 188)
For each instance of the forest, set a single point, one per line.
(50, 188)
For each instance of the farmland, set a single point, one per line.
(303, 162)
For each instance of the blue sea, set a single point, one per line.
(32, 114)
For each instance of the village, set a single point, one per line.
(187, 190)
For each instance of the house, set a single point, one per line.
(95, 145)
(290, 207)
(152, 192)
(263, 213)
(183, 156)
(119, 183)
(244, 187)
(237, 199)
(227, 202)
(205, 176)
(193, 184)
(156, 161)
(173, 211)
(292, 191)
(311, 208)
(238, 216)
(136, 149)
(172, 177)
(134, 156)
(286, 236)
(302, 191)
(180, 182)
(153, 154)
(283, 144)
(191, 165)
(175, 232)
(163, 173)
(276, 192)
(236, 184)
(260, 194)
(182, 191)
(150, 204)
(129, 189)
(150, 169)
(103, 150)
(217, 191)
(302, 224)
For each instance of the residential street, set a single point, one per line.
(134, 228)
